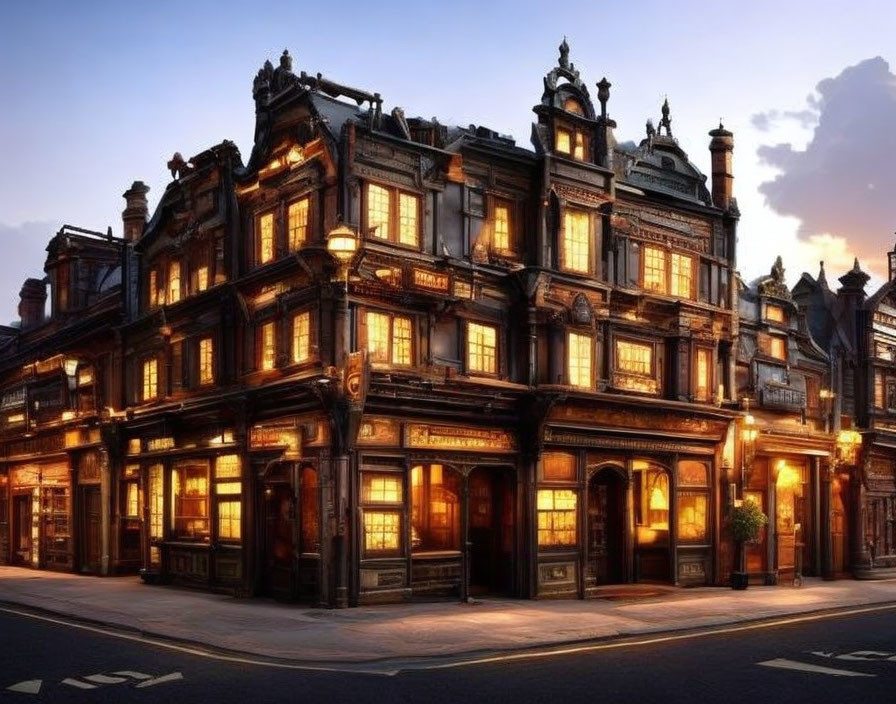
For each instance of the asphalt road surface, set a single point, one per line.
(845, 658)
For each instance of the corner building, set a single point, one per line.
(388, 357)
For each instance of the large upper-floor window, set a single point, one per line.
(297, 223)
(393, 215)
(150, 378)
(206, 361)
(267, 345)
(301, 337)
(482, 348)
(265, 244)
(668, 273)
(634, 366)
(389, 338)
(575, 252)
(579, 349)
(502, 228)
(174, 288)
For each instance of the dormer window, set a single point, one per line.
(570, 142)
(774, 313)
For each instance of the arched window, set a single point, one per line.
(574, 106)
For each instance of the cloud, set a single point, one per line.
(24, 250)
(765, 121)
(840, 186)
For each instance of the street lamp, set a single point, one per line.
(70, 366)
(748, 435)
(827, 398)
(342, 243)
(848, 442)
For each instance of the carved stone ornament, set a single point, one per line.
(582, 312)
(774, 285)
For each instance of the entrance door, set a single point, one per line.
(606, 505)
(21, 526)
(279, 520)
(491, 521)
(839, 536)
(789, 516)
(91, 529)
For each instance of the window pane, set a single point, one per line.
(692, 517)
(266, 238)
(202, 278)
(150, 379)
(268, 348)
(382, 532)
(156, 502)
(173, 282)
(634, 358)
(190, 492)
(408, 207)
(227, 467)
(778, 347)
(580, 152)
(401, 340)
(435, 508)
(206, 361)
(132, 500)
(556, 517)
(774, 313)
(228, 488)
(301, 337)
(381, 488)
(481, 348)
(654, 270)
(563, 142)
(682, 276)
(229, 516)
(501, 237)
(377, 336)
(297, 223)
(378, 211)
(153, 288)
(579, 359)
(576, 241)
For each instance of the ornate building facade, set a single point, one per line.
(388, 358)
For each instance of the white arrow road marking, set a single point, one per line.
(26, 687)
(821, 653)
(805, 667)
(864, 655)
(78, 683)
(160, 680)
(105, 679)
(133, 675)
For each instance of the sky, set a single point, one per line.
(96, 95)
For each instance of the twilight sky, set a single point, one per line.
(98, 94)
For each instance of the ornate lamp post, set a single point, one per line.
(827, 401)
(342, 243)
(748, 436)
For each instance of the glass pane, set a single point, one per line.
(229, 517)
(579, 360)
(481, 348)
(266, 238)
(692, 517)
(382, 532)
(556, 517)
(501, 235)
(576, 241)
(682, 275)
(435, 508)
(301, 337)
(654, 270)
(190, 492)
(408, 207)
(378, 211)
(381, 488)
(377, 336)
(297, 223)
(227, 467)
(401, 340)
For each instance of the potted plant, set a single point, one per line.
(745, 523)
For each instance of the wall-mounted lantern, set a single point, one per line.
(848, 444)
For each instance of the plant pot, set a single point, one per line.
(739, 580)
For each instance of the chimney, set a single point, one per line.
(32, 302)
(722, 147)
(135, 212)
(606, 142)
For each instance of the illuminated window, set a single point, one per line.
(774, 313)
(579, 355)
(501, 232)
(268, 346)
(229, 518)
(651, 499)
(580, 152)
(132, 500)
(156, 502)
(634, 358)
(777, 347)
(563, 141)
(408, 205)
(654, 270)
(173, 282)
(389, 338)
(297, 223)
(265, 238)
(301, 337)
(692, 516)
(382, 532)
(556, 517)
(206, 361)
(381, 488)
(878, 389)
(150, 378)
(482, 350)
(202, 278)
(704, 377)
(577, 241)
(401, 340)
(227, 467)
(189, 489)
(153, 288)
(378, 210)
(682, 275)
(435, 508)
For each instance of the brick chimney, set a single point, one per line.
(136, 211)
(722, 148)
(32, 302)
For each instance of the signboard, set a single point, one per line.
(452, 437)
(430, 280)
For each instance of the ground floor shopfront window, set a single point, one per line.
(435, 508)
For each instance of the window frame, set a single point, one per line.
(591, 347)
(290, 244)
(468, 367)
(654, 375)
(394, 234)
(260, 347)
(496, 202)
(541, 491)
(669, 256)
(154, 360)
(294, 316)
(391, 317)
(372, 507)
(259, 236)
(562, 254)
(201, 378)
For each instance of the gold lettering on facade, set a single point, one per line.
(382, 432)
(159, 444)
(449, 437)
(432, 280)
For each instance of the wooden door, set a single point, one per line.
(606, 501)
(491, 521)
(91, 529)
(279, 527)
(21, 524)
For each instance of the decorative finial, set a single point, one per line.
(286, 61)
(822, 277)
(603, 95)
(666, 121)
(856, 269)
(651, 130)
(564, 53)
(778, 269)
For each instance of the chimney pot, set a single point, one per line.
(135, 211)
(721, 147)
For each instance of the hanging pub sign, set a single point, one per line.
(453, 437)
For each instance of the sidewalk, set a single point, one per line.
(406, 632)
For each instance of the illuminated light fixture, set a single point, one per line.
(68, 415)
(342, 243)
(70, 365)
(787, 476)
(826, 394)
(296, 155)
(658, 500)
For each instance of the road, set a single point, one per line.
(842, 658)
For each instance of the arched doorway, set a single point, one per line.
(606, 526)
(492, 518)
